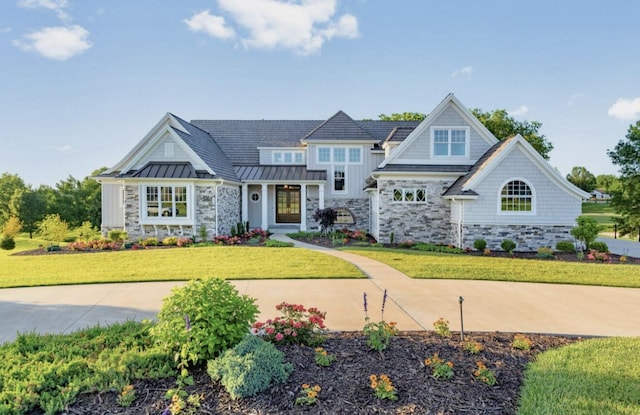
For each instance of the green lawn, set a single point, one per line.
(229, 262)
(417, 264)
(601, 212)
(598, 376)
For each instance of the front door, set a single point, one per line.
(288, 204)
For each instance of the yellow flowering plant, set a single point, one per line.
(440, 368)
(323, 358)
(484, 374)
(521, 342)
(472, 347)
(441, 327)
(308, 394)
(378, 334)
(383, 387)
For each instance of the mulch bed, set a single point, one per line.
(345, 384)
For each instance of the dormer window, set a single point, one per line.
(450, 141)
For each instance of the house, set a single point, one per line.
(446, 179)
(598, 196)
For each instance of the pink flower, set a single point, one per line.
(279, 337)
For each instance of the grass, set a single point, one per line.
(461, 267)
(597, 376)
(601, 212)
(228, 262)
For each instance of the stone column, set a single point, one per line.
(265, 207)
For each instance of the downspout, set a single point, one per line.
(460, 221)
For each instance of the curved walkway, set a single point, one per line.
(414, 304)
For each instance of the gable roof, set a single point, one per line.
(449, 101)
(339, 127)
(492, 158)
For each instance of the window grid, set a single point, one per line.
(516, 196)
(417, 195)
(450, 142)
(339, 183)
(166, 201)
(341, 155)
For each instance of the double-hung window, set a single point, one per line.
(450, 141)
(339, 176)
(165, 202)
(340, 158)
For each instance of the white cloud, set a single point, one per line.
(63, 149)
(302, 26)
(59, 43)
(523, 109)
(466, 70)
(57, 6)
(625, 109)
(212, 25)
(5, 29)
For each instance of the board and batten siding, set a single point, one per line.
(420, 148)
(553, 205)
(157, 153)
(112, 205)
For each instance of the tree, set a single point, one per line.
(503, 126)
(605, 182)
(53, 229)
(582, 178)
(498, 122)
(9, 183)
(625, 197)
(326, 218)
(30, 206)
(586, 231)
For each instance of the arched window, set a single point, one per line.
(516, 196)
(345, 217)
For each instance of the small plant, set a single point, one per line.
(392, 237)
(440, 368)
(623, 259)
(127, 396)
(202, 232)
(322, 357)
(544, 252)
(599, 246)
(274, 243)
(484, 374)
(383, 387)
(249, 367)
(486, 252)
(149, 242)
(441, 327)
(521, 342)
(297, 325)
(182, 403)
(566, 246)
(308, 394)
(118, 236)
(595, 255)
(480, 244)
(203, 318)
(378, 334)
(580, 256)
(472, 347)
(170, 241)
(508, 246)
(7, 243)
(326, 218)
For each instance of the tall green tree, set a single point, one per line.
(605, 182)
(498, 122)
(30, 207)
(625, 198)
(9, 183)
(582, 178)
(79, 201)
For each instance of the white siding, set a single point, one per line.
(157, 153)
(112, 205)
(356, 173)
(553, 205)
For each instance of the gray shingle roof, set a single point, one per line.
(381, 129)
(398, 134)
(339, 127)
(169, 170)
(284, 173)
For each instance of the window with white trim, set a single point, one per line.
(450, 141)
(287, 157)
(339, 179)
(340, 155)
(355, 155)
(516, 197)
(418, 195)
(324, 155)
(344, 216)
(164, 202)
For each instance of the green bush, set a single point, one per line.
(170, 241)
(202, 319)
(545, 252)
(250, 367)
(149, 242)
(7, 243)
(273, 243)
(599, 246)
(480, 244)
(117, 235)
(508, 245)
(566, 246)
(586, 231)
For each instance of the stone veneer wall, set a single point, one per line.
(312, 204)
(358, 207)
(229, 206)
(526, 237)
(421, 222)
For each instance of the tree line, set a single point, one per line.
(75, 201)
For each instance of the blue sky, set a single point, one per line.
(82, 81)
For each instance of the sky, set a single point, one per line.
(83, 81)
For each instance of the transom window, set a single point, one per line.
(287, 157)
(342, 154)
(166, 201)
(516, 196)
(450, 142)
(410, 195)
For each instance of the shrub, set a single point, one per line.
(586, 231)
(544, 252)
(249, 367)
(326, 218)
(87, 231)
(273, 243)
(480, 244)
(203, 318)
(566, 246)
(12, 228)
(508, 245)
(7, 243)
(599, 246)
(117, 235)
(170, 241)
(296, 326)
(149, 242)
(53, 229)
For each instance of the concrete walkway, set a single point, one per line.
(413, 304)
